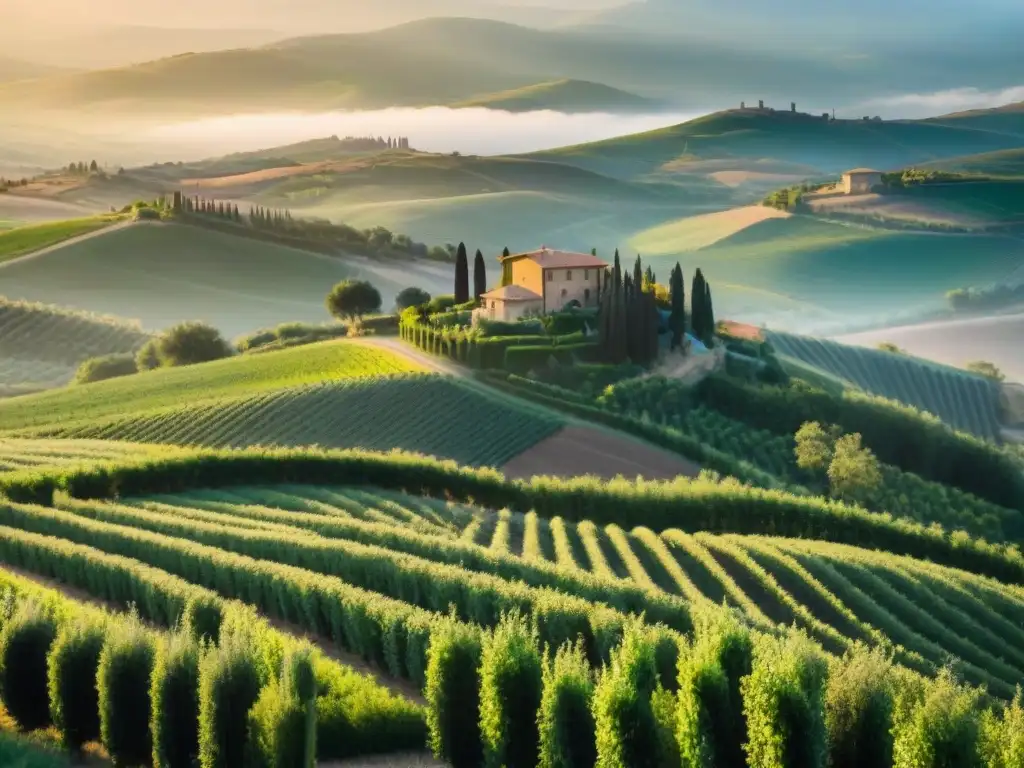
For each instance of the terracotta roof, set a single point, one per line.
(860, 170)
(550, 258)
(512, 293)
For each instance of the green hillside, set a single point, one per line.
(562, 96)
(963, 400)
(1007, 163)
(1007, 119)
(751, 134)
(161, 274)
(42, 345)
(798, 272)
(18, 454)
(23, 240)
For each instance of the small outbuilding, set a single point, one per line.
(860, 181)
(510, 303)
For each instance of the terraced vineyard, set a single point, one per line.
(367, 570)
(41, 346)
(428, 414)
(840, 594)
(963, 400)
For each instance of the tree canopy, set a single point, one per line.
(351, 299)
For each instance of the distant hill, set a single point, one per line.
(1005, 119)
(1007, 163)
(564, 96)
(748, 135)
(16, 69)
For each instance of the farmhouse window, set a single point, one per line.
(568, 274)
(551, 276)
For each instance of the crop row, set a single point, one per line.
(701, 567)
(429, 414)
(167, 696)
(963, 400)
(17, 454)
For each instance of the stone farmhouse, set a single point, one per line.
(860, 181)
(543, 281)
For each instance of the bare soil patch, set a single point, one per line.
(578, 450)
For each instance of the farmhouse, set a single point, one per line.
(860, 181)
(542, 281)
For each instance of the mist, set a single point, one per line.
(475, 131)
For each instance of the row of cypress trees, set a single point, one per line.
(628, 317)
(462, 275)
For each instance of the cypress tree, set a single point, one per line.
(461, 275)
(638, 274)
(709, 316)
(479, 275)
(505, 253)
(677, 320)
(698, 297)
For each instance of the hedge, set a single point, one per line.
(71, 671)
(688, 505)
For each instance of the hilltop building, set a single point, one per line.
(542, 281)
(860, 181)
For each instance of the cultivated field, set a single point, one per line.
(35, 237)
(41, 346)
(695, 232)
(17, 454)
(963, 400)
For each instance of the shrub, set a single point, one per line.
(784, 702)
(411, 297)
(494, 328)
(283, 722)
(628, 732)
(351, 299)
(123, 682)
(453, 694)
(565, 720)
(711, 725)
(71, 673)
(940, 729)
(191, 343)
(510, 694)
(174, 696)
(228, 688)
(105, 367)
(148, 356)
(440, 304)
(859, 709)
(146, 214)
(203, 616)
(1003, 738)
(24, 646)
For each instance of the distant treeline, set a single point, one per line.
(360, 143)
(975, 299)
(912, 177)
(315, 234)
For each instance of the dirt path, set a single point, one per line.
(75, 240)
(580, 450)
(410, 352)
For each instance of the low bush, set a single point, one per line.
(174, 702)
(123, 682)
(229, 686)
(105, 367)
(453, 694)
(71, 671)
(494, 328)
(203, 616)
(282, 723)
(440, 303)
(566, 731)
(510, 694)
(939, 728)
(191, 343)
(784, 703)
(24, 646)
(859, 709)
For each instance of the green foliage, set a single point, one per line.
(71, 671)
(1003, 737)
(411, 297)
(986, 369)
(940, 729)
(859, 709)
(510, 694)
(453, 695)
(191, 343)
(106, 367)
(711, 724)
(148, 356)
(282, 723)
(566, 730)
(784, 702)
(854, 471)
(229, 685)
(34, 237)
(527, 327)
(814, 446)
(123, 682)
(20, 752)
(24, 645)
(174, 697)
(351, 299)
(202, 617)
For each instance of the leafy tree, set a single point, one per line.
(479, 276)
(987, 369)
(854, 470)
(105, 367)
(815, 446)
(888, 346)
(411, 297)
(677, 320)
(190, 343)
(351, 299)
(461, 275)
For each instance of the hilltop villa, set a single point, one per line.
(542, 281)
(860, 181)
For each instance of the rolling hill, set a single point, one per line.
(161, 274)
(1007, 163)
(17, 69)
(1007, 119)
(563, 96)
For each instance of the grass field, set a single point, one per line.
(18, 454)
(562, 96)
(34, 237)
(234, 377)
(1007, 163)
(161, 274)
(41, 345)
(963, 400)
